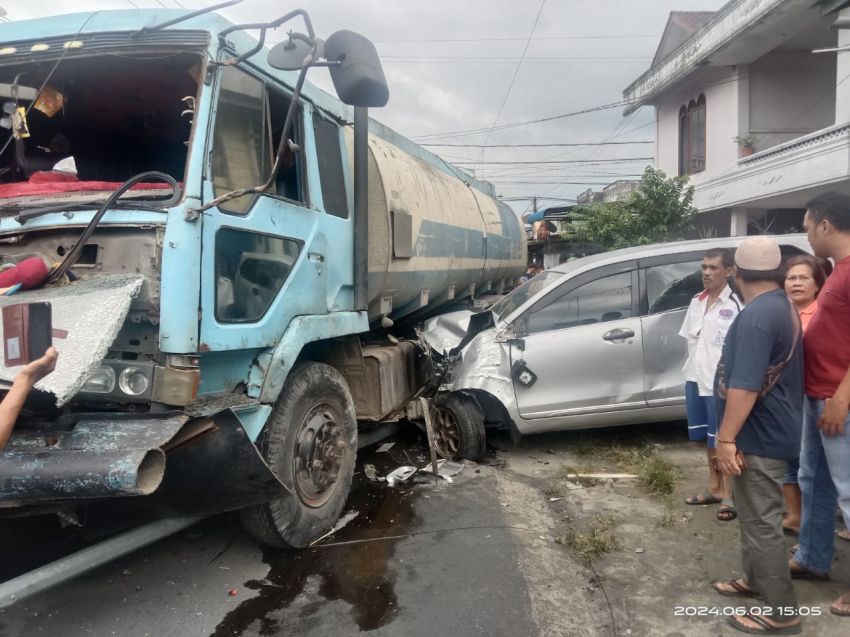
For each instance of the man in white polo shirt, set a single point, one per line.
(709, 316)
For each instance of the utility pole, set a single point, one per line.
(534, 203)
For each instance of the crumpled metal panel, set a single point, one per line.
(99, 457)
(92, 312)
(486, 365)
(444, 332)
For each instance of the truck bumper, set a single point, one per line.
(174, 463)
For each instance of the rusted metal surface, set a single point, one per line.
(429, 429)
(214, 468)
(96, 458)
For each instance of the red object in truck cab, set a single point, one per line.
(30, 273)
(49, 182)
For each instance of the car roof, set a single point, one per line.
(675, 247)
(636, 253)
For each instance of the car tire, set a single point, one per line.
(459, 427)
(310, 443)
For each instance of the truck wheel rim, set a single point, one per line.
(318, 458)
(446, 434)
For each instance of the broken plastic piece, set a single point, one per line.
(385, 447)
(400, 475)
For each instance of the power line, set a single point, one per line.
(565, 161)
(583, 61)
(554, 145)
(464, 133)
(506, 39)
(513, 79)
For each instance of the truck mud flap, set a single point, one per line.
(96, 457)
(211, 467)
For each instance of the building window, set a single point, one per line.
(692, 137)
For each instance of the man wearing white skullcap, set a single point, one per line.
(759, 390)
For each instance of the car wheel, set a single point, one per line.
(310, 442)
(459, 427)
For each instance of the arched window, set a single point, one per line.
(692, 137)
(684, 133)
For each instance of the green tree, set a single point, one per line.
(660, 210)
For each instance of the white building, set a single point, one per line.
(747, 73)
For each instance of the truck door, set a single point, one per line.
(584, 347)
(265, 258)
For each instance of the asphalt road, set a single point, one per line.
(417, 560)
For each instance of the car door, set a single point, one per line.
(668, 283)
(582, 347)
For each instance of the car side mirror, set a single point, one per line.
(356, 70)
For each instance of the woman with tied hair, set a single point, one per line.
(804, 278)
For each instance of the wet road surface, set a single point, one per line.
(416, 560)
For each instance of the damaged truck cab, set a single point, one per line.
(217, 302)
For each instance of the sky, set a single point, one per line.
(455, 67)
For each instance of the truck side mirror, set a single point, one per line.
(357, 75)
(290, 54)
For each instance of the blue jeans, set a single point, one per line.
(824, 482)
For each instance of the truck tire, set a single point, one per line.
(459, 427)
(310, 442)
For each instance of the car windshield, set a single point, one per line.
(524, 292)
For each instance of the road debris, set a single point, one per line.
(400, 475)
(385, 447)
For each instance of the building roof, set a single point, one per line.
(740, 32)
(680, 26)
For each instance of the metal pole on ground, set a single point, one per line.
(89, 558)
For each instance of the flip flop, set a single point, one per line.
(787, 530)
(766, 628)
(726, 511)
(844, 600)
(703, 498)
(740, 589)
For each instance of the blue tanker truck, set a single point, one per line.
(237, 262)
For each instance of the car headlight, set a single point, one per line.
(133, 381)
(101, 381)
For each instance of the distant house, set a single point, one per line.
(759, 122)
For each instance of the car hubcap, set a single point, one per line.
(319, 452)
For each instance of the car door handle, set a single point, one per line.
(618, 334)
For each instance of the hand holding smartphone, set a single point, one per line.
(27, 332)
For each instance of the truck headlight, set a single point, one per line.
(133, 381)
(101, 381)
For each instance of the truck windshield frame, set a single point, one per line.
(82, 141)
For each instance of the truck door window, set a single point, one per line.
(606, 299)
(241, 151)
(250, 268)
(672, 286)
(291, 177)
(329, 153)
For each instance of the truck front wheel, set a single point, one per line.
(310, 442)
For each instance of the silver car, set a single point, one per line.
(593, 342)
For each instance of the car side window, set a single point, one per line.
(605, 299)
(672, 286)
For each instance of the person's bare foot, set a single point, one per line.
(844, 534)
(841, 606)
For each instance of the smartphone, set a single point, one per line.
(27, 332)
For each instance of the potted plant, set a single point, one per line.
(746, 144)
